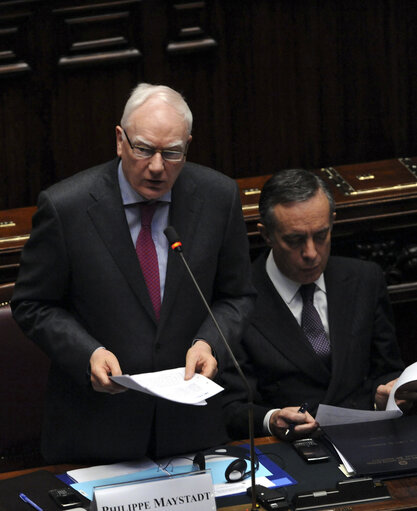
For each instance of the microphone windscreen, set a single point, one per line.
(173, 238)
(171, 234)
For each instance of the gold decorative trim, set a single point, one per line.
(365, 177)
(7, 223)
(25, 237)
(348, 190)
(250, 207)
(385, 189)
(251, 191)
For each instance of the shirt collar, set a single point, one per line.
(131, 196)
(286, 287)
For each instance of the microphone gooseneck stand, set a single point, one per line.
(176, 246)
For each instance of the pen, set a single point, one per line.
(303, 408)
(30, 502)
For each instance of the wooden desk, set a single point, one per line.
(403, 491)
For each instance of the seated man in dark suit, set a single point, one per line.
(330, 341)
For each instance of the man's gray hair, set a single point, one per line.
(145, 91)
(291, 185)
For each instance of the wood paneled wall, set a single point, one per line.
(272, 83)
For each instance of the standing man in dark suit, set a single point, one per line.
(98, 307)
(335, 344)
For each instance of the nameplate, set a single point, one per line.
(182, 492)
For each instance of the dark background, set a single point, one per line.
(272, 83)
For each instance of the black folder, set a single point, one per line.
(34, 485)
(383, 448)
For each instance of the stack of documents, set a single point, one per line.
(381, 448)
(371, 442)
(170, 384)
(333, 415)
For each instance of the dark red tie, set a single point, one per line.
(148, 258)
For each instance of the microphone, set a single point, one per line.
(176, 246)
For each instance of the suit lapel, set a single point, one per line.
(285, 334)
(184, 215)
(107, 214)
(341, 293)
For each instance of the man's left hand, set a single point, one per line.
(404, 398)
(382, 394)
(200, 359)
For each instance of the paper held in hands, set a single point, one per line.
(170, 384)
(333, 415)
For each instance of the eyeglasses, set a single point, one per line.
(148, 152)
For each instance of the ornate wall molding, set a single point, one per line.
(97, 33)
(15, 52)
(188, 25)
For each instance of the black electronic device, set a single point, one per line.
(310, 450)
(237, 470)
(65, 498)
(269, 498)
(351, 491)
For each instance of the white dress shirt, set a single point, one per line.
(288, 290)
(131, 199)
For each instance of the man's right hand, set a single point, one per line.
(103, 364)
(280, 421)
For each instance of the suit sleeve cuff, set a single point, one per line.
(89, 368)
(213, 351)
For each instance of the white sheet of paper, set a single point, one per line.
(226, 489)
(328, 415)
(333, 415)
(80, 475)
(170, 384)
(345, 467)
(101, 474)
(406, 381)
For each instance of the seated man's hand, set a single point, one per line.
(382, 394)
(405, 398)
(103, 364)
(200, 359)
(303, 424)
